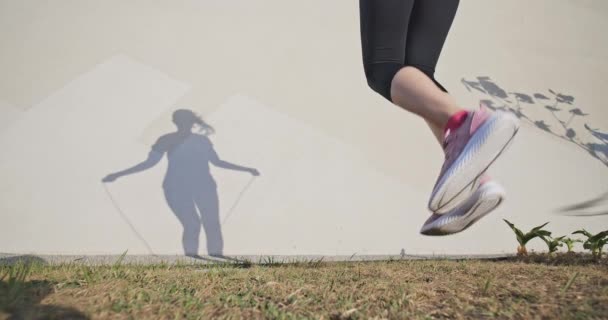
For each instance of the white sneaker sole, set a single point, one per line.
(483, 201)
(485, 146)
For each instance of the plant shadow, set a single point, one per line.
(555, 114)
(560, 109)
(21, 298)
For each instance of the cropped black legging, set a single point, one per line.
(399, 33)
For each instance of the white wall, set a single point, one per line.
(87, 87)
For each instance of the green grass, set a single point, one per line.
(308, 289)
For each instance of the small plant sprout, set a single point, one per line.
(569, 242)
(524, 238)
(569, 283)
(594, 242)
(553, 243)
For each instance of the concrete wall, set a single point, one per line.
(88, 87)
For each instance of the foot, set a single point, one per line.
(484, 200)
(469, 150)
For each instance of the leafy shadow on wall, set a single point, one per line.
(558, 116)
(597, 206)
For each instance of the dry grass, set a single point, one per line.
(393, 289)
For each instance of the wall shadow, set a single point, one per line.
(21, 259)
(21, 299)
(189, 188)
(571, 127)
(596, 206)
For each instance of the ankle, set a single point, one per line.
(455, 121)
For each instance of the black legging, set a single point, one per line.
(398, 33)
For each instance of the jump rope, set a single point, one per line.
(141, 238)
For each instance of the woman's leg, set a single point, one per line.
(415, 30)
(414, 91)
(428, 29)
(386, 32)
(208, 205)
(437, 131)
(182, 205)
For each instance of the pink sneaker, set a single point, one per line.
(469, 151)
(484, 200)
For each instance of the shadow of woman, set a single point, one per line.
(189, 188)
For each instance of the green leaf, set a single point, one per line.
(583, 232)
(539, 227)
(510, 224)
(552, 243)
(536, 233)
(542, 233)
(598, 236)
(518, 234)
